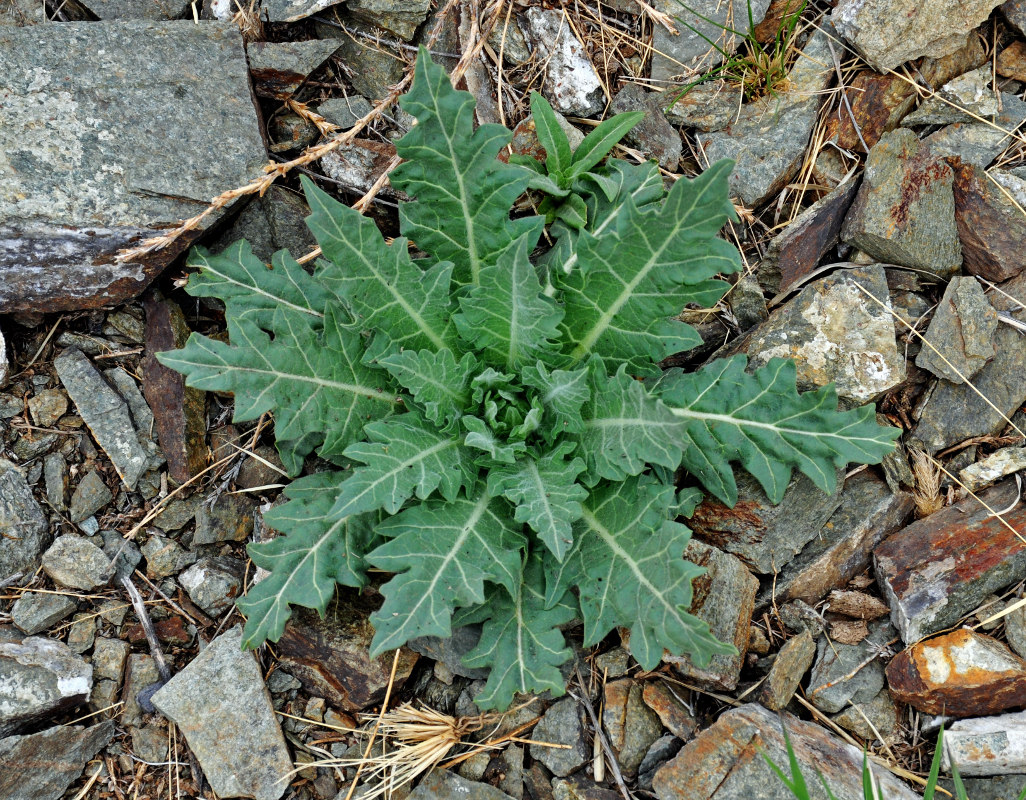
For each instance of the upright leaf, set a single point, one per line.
(640, 272)
(631, 572)
(439, 384)
(557, 147)
(406, 307)
(546, 494)
(443, 553)
(506, 317)
(317, 551)
(597, 144)
(562, 393)
(762, 421)
(520, 642)
(463, 193)
(314, 383)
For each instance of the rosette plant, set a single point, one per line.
(504, 442)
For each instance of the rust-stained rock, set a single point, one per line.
(171, 630)
(724, 597)
(632, 727)
(41, 766)
(86, 172)
(940, 568)
(961, 333)
(1011, 62)
(959, 674)
(179, 411)
(991, 227)
(331, 656)
(664, 699)
(279, 68)
(987, 745)
(798, 250)
(727, 761)
(791, 663)
(857, 605)
(904, 212)
(878, 103)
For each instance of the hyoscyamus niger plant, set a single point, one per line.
(505, 441)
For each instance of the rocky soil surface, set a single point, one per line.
(881, 180)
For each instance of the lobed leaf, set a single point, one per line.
(761, 421)
(439, 384)
(562, 394)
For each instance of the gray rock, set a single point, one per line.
(270, 223)
(4, 364)
(653, 135)
(661, 751)
(75, 562)
(140, 674)
(47, 407)
(344, 111)
(1015, 628)
(954, 412)
(730, 620)
(996, 787)
(788, 669)
(39, 677)
(450, 650)
(24, 531)
(229, 520)
(132, 9)
(571, 84)
(399, 17)
(358, 165)
(374, 69)
(109, 658)
(123, 553)
(43, 765)
(221, 705)
(890, 32)
(510, 40)
(709, 106)
(688, 51)
(142, 415)
(279, 68)
(632, 727)
(961, 332)
(150, 742)
(1015, 12)
(213, 583)
(89, 496)
(874, 718)
(30, 448)
(767, 140)
(613, 663)
(747, 303)
(830, 689)
(971, 95)
(55, 476)
(106, 414)
(36, 611)
(22, 12)
(178, 513)
(164, 557)
(82, 632)
(987, 745)
(562, 723)
(292, 10)
(440, 784)
(904, 212)
(10, 406)
(86, 172)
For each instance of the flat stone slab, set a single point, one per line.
(39, 677)
(987, 745)
(92, 160)
(221, 705)
(43, 765)
(961, 332)
(931, 578)
(24, 531)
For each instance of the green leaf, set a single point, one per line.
(463, 193)
(443, 554)
(404, 456)
(572, 212)
(630, 571)
(317, 551)
(558, 157)
(625, 428)
(406, 307)
(439, 384)
(646, 267)
(507, 319)
(546, 494)
(762, 421)
(563, 393)
(520, 642)
(601, 140)
(251, 290)
(314, 383)
(481, 437)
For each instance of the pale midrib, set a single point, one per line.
(257, 290)
(475, 269)
(352, 388)
(688, 414)
(418, 320)
(398, 469)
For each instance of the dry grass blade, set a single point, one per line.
(926, 493)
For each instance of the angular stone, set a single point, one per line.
(993, 468)
(562, 723)
(1015, 12)
(292, 10)
(178, 513)
(890, 32)
(331, 656)
(961, 332)
(164, 557)
(86, 174)
(688, 51)
(765, 536)
(279, 68)
(571, 84)
(270, 223)
(789, 667)
(399, 17)
(661, 751)
(230, 520)
(22, 12)
(971, 95)
(1011, 61)
(38, 678)
(55, 476)
(672, 711)
(878, 104)
(959, 674)
(344, 111)
(451, 650)
(48, 407)
(710, 106)
(140, 674)
(989, 214)
(632, 727)
(873, 719)
(90, 496)
(904, 212)
(579, 787)
(374, 69)
(172, 630)
(653, 135)
(987, 745)
(131, 9)
(214, 583)
(43, 765)
(36, 611)
(106, 414)
(221, 705)
(726, 761)
(109, 657)
(24, 531)
(767, 140)
(123, 553)
(724, 597)
(841, 674)
(796, 252)
(931, 579)
(979, 143)
(836, 334)
(77, 563)
(441, 784)
(255, 473)
(81, 633)
(857, 605)
(150, 742)
(358, 165)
